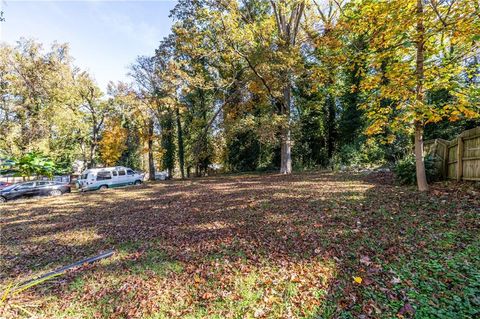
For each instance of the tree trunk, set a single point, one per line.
(151, 163)
(91, 160)
(286, 142)
(181, 152)
(286, 152)
(331, 131)
(93, 144)
(420, 43)
(419, 162)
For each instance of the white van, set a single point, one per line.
(108, 177)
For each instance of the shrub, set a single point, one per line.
(365, 154)
(405, 171)
(33, 164)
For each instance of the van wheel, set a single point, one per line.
(55, 192)
(137, 182)
(3, 199)
(103, 187)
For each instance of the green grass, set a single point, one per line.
(148, 261)
(436, 285)
(248, 246)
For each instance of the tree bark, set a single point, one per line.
(93, 147)
(151, 163)
(419, 160)
(286, 152)
(181, 152)
(286, 142)
(331, 131)
(420, 73)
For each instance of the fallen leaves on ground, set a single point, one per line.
(262, 246)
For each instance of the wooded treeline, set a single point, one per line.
(257, 85)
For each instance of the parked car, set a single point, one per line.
(4, 184)
(33, 188)
(108, 177)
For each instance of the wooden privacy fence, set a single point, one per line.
(457, 159)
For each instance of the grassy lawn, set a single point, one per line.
(312, 245)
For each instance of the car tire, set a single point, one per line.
(103, 187)
(137, 182)
(2, 200)
(55, 192)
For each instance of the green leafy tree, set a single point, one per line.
(34, 164)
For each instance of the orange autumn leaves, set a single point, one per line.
(391, 82)
(113, 142)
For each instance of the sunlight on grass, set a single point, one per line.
(236, 248)
(75, 237)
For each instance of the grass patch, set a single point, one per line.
(249, 246)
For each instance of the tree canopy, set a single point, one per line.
(257, 84)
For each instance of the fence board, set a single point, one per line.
(447, 152)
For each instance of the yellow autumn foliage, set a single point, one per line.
(113, 142)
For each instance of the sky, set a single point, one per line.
(105, 37)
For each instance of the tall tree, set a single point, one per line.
(40, 101)
(417, 47)
(149, 93)
(420, 96)
(94, 111)
(287, 17)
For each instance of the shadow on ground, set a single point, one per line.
(236, 246)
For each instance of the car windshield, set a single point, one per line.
(9, 187)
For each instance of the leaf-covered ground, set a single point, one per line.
(312, 245)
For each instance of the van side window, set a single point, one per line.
(101, 176)
(130, 172)
(114, 173)
(121, 173)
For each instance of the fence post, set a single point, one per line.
(459, 158)
(445, 161)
